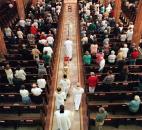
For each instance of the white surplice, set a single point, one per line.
(77, 94)
(65, 85)
(63, 120)
(68, 48)
(59, 99)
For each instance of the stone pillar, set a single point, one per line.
(3, 49)
(138, 25)
(20, 8)
(117, 10)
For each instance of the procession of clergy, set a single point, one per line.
(63, 117)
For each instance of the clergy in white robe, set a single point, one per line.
(63, 118)
(59, 97)
(77, 94)
(68, 48)
(65, 84)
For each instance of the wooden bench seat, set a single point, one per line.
(21, 121)
(118, 86)
(16, 97)
(116, 120)
(115, 108)
(19, 108)
(112, 96)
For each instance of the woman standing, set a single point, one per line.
(9, 73)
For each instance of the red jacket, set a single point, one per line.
(92, 81)
(134, 54)
(33, 30)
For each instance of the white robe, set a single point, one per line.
(65, 85)
(77, 94)
(63, 120)
(68, 48)
(59, 99)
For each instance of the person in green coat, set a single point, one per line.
(87, 58)
(134, 105)
(46, 57)
(92, 27)
(100, 117)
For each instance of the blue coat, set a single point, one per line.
(134, 106)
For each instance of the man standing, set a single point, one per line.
(65, 84)
(25, 95)
(92, 82)
(63, 118)
(100, 117)
(77, 94)
(108, 80)
(68, 48)
(59, 97)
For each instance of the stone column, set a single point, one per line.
(117, 10)
(20, 8)
(3, 49)
(138, 25)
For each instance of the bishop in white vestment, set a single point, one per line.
(77, 94)
(68, 48)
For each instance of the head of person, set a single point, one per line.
(7, 66)
(42, 33)
(67, 38)
(78, 84)
(112, 52)
(62, 108)
(23, 46)
(101, 110)
(137, 98)
(87, 52)
(22, 87)
(19, 67)
(19, 29)
(45, 52)
(64, 76)
(34, 85)
(59, 89)
(92, 73)
(125, 45)
(109, 72)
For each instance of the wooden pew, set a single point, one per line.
(112, 96)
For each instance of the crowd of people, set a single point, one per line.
(35, 37)
(106, 43)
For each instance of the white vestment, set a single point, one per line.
(77, 94)
(63, 120)
(65, 85)
(59, 99)
(68, 48)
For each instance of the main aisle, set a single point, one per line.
(70, 30)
